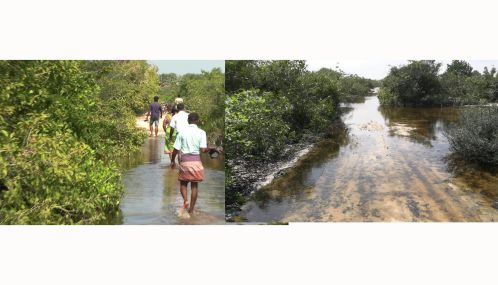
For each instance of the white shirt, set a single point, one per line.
(180, 121)
(191, 140)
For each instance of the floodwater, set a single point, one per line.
(152, 191)
(389, 165)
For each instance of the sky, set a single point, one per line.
(187, 66)
(378, 69)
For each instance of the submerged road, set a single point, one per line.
(390, 166)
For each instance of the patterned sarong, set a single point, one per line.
(191, 169)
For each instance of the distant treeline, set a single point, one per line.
(419, 83)
(62, 125)
(202, 93)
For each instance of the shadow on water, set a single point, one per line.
(151, 194)
(390, 165)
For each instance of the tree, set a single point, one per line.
(460, 67)
(416, 83)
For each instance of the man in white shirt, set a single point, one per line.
(180, 119)
(190, 142)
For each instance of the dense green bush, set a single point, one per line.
(414, 84)
(169, 87)
(464, 86)
(419, 83)
(313, 96)
(61, 124)
(254, 124)
(475, 137)
(125, 89)
(205, 94)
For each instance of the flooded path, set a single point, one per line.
(152, 195)
(388, 166)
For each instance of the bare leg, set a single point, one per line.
(157, 129)
(183, 191)
(151, 126)
(193, 197)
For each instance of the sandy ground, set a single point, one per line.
(141, 123)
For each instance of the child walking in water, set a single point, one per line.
(190, 142)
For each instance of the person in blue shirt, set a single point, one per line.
(155, 113)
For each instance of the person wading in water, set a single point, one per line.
(155, 113)
(169, 133)
(190, 142)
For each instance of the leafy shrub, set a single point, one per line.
(61, 124)
(475, 137)
(416, 83)
(254, 124)
(204, 93)
(463, 86)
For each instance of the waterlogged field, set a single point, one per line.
(152, 195)
(391, 164)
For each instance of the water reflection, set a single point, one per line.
(422, 125)
(152, 195)
(389, 166)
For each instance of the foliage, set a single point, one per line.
(61, 124)
(169, 87)
(204, 93)
(313, 96)
(475, 137)
(125, 89)
(254, 124)
(459, 67)
(418, 83)
(464, 86)
(354, 88)
(414, 84)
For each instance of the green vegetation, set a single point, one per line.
(255, 124)
(465, 86)
(272, 104)
(61, 126)
(352, 88)
(420, 84)
(414, 84)
(475, 137)
(202, 93)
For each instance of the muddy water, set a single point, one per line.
(152, 193)
(389, 165)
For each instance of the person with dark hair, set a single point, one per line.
(190, 142)
(155, 113)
